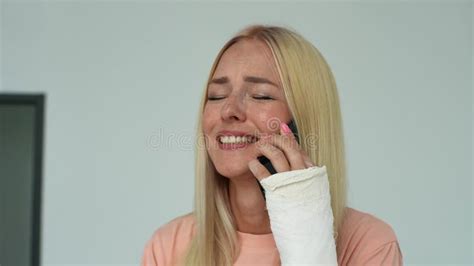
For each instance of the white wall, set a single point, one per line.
(118, 74)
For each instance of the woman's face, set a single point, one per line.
(245, 98)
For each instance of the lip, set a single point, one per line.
(233, 146)
(234, 133)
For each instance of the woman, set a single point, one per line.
(267, 76)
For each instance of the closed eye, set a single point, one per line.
(215, 98)
(262, 97)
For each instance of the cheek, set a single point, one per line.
(269, 119)
(269, 123)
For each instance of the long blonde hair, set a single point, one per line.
(312, 97)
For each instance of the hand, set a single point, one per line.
(298, 202)
(283, 151)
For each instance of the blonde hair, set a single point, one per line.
(312, 97)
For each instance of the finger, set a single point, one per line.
(276, 156)
(307, 159)
(291, 150)
(308, 163)
(285, 130)
(258, 170)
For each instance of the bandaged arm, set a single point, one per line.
(301, 218)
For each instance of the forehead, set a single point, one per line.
(249, 56)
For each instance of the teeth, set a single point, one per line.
(234, 139)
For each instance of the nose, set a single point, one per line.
(233, 109)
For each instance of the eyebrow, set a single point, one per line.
(251, 79)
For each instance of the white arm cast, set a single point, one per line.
(301, 218)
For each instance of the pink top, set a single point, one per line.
(365, 240)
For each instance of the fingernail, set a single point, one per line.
(285, 128)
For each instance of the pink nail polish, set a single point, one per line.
(285, 128)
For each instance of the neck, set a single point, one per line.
(248, 205)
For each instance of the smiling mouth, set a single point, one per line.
(237, 139)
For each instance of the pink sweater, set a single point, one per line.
(365, 240)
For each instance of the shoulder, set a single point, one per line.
(169, 241)
(366, 225)
(362, 235)
(176, 228)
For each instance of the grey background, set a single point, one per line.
(123, 81)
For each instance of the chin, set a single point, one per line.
(232, 165)
(233, 170)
